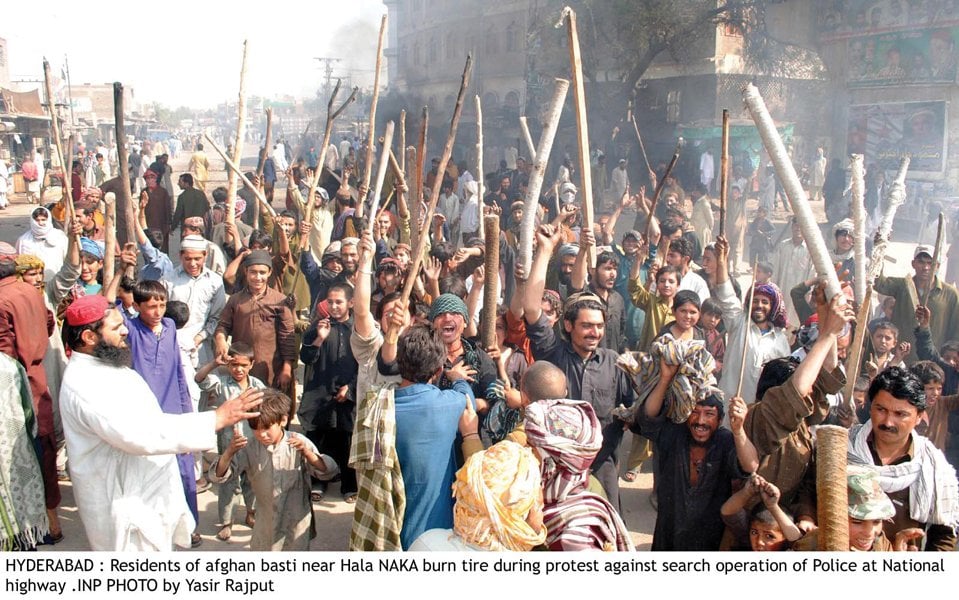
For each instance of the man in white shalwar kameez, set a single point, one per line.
(121, 445)
(791, 265)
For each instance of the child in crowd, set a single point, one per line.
(760, 232)
(279, 469)
(886, 349)
(658, 306)
(179, 313)
(934, 421)
(222, 386)
(764, 272)
(767, 526)
(710, 320)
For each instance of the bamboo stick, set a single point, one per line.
(748, 317)
(397, 170)
(724, 174)
(794, 190)
(524, 256)
(416, 195)
(491, 283)
(582, 133)
(385, 153)
(232, 166)
(936, 258)
(435, 193)
(331, 116)
(402, 149)
(659, 189)
(527, 137)
(854, 352)
(264, 153)
(894, 199)
(642, 149)
(370, 140)
(231, 187)
(479, 162)
(859, 224)
(109, 238)
(832, 493)
(126, 216)
(66, 163)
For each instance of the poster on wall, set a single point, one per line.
(841, 19)
(886, 132)
(925, 56)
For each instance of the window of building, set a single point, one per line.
(673, 103)
(512, 44)
(417, 54)
(434, 50)
(732, 30)
(492, 43)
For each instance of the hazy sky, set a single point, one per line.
(181, 52)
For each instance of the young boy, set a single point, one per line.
(886, 349)
(710, 318)
(934, 421)
(239, 360)
(279, 468)
(767, 527)
(658, 306)
(764, 272)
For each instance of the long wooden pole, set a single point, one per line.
(231, 187)
(859, 224)
(794, 190)
(331, 116)
(832, 490)
(233, 167)
(264, 153)
(748, 317)
(402, 149)
(524, 255)
(66, 162)
(855, 351)
(936, 258)
(435, 192)
(582, 133)
(659, 188)
(371, 139)
(479, 164)
(385, 153)
(724, 174)
(642, 149)
(416, 194)
(491, 283)
(126, 216)
(527, 137)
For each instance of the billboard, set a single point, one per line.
(886, 132)
(924, 56)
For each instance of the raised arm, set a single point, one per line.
(363, 321)
(547, 238)
(745, 450)
(654, 402)
(579, 277)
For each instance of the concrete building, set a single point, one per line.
(4, 65)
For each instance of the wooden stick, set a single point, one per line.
(491, 283)
(748, 317)
(435, 192)
(659, 189)
(70, 211)
(397, 170)
(126, 216)
(855, 351)
(936, 258)
(894, 199)
(402, 150)
(416, 194)
(109, 238)
(240, 138)
(232, 166)
(524, 127)
(724, 174)
(859, 224)
(479, 163)
(794, 190)
(385, 154)
(66, 163)
(524, 255)
(331, 116)
(642, 149)
(582, 133)
(831, 488)
(370, 140)
(264, 153)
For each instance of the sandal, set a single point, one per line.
(350, 498)
(195, 540)
(250, 518)
(631, 475)
(316, 496)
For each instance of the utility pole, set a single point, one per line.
(328, 72)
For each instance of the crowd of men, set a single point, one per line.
(284, 340)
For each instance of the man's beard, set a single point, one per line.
(113, 355)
